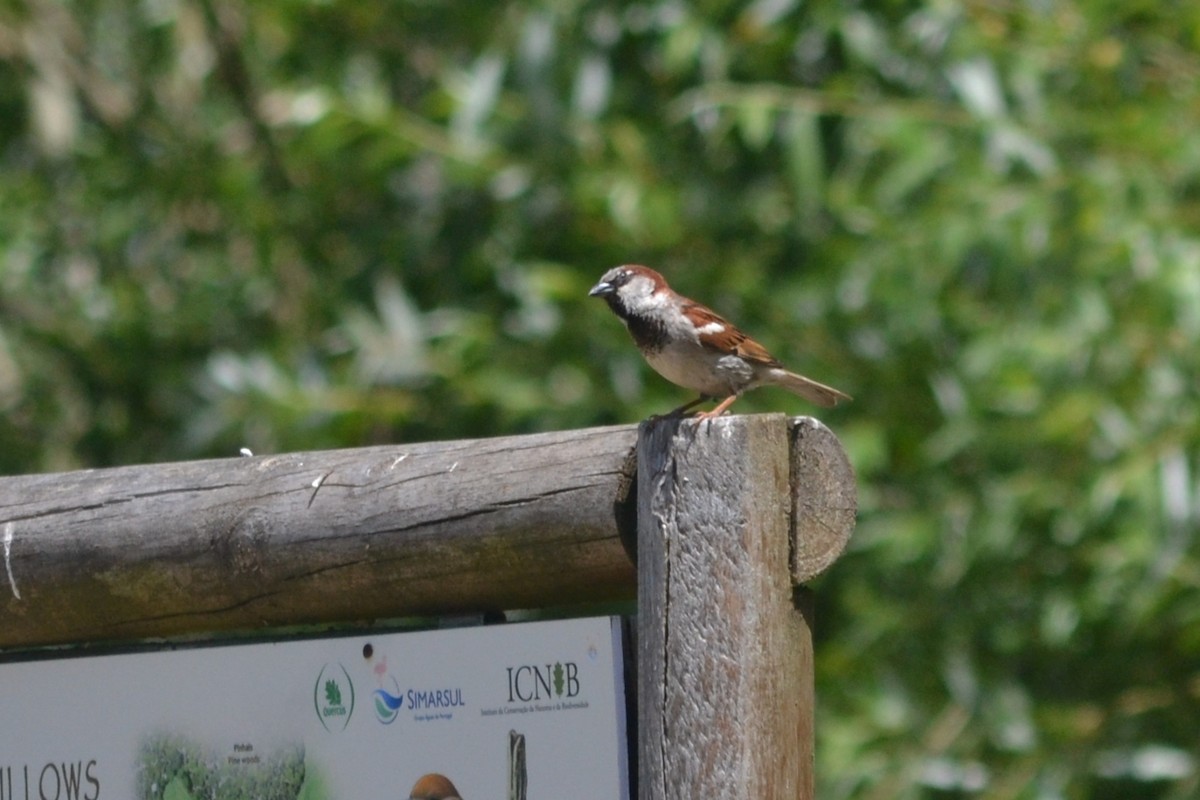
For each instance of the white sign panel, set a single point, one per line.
(485, 713)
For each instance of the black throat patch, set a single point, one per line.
(649, 334)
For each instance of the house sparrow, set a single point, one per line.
(692, 346)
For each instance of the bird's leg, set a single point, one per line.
(719, 410)
(687, 406)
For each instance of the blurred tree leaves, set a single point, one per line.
(301, 224)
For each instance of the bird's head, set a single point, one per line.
(632, 289)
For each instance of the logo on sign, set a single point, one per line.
(531, 682)
(388, 704)
(333, 697)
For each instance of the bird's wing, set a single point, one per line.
(719, 334)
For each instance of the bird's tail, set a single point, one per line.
(807, 388)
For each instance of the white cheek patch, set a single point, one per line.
(639, 296)
(710, 328)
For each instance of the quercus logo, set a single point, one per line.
(333, 697)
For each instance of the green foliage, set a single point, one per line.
(298, 225)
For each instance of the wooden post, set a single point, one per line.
(725, 670)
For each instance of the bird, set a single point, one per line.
(433, 787)
(694, 347)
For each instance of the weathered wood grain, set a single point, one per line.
(725, 698)
(824, 498)
(333, 536)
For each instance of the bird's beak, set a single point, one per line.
(601, 289)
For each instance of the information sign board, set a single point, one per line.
(531, 710)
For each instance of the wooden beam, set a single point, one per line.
(824, 498)
(725, 671)
(345, 536)
(334, 536)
